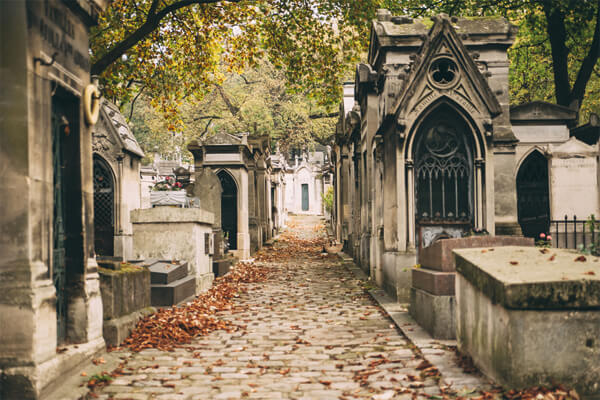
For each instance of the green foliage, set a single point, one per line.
(328, 200)
(593, 226)
(176, 52)
(257, 101)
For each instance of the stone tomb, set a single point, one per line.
(207, 189)
(167, 233)
(125, 299)
(432, 301)
(170, 283)
(529, 318)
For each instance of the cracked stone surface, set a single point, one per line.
(311, 332)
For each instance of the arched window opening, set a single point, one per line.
(533, 207)
(104, 208)
(229, 217)
(443, 177)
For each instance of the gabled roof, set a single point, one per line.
(389, 31)
(442, 39)
(223, 138)
(118, 127)
(541, 111)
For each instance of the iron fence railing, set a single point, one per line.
(574, 233)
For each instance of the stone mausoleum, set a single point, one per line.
(117, 187)
(50, 303)
(428, 148)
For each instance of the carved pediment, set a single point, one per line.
(444, 68)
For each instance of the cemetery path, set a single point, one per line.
(309, 332)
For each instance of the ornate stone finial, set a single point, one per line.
(384, 15)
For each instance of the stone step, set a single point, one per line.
(164, 272)
(172, 293)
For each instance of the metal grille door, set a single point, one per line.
(60, 128)
(104, 206)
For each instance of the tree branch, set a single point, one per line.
(327, 115)
(232, 109)
(587, 66)
(153, 20)
(560, 54)
(133, 101)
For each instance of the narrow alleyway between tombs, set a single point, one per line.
(310, 331)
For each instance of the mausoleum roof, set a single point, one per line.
(541, 111)
(119, 127)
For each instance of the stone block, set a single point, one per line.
(174, 292)
(435, 313)
(124, 291)
(118, 329)
(529, 318)
(221, 267)
(439, 256)
(165, 272)
(434, 282)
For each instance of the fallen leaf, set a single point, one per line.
(514, 262)
(581, 258)
(589, 273)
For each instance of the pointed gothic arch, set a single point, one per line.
(229, 207)
(533, 196)
(445, 186)
(104, 207)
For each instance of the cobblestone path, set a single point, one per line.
(310, 332)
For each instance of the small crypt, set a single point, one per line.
(117, 159)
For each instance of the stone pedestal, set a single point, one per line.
(432, 301)
(176, 234)
(527, 320)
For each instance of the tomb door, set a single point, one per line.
(305, 197)
(532, 195)
(104, 206)
(229, 207)
(60, 128)
(443, 166)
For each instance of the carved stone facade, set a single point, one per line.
(425, 147)
(50, 303)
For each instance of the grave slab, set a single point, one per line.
(530, 317)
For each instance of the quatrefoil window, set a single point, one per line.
(443, 72)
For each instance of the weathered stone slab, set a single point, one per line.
(439, 256)
(124, 291)
(529, 318)
(174, 292)
(165, 272)
(434, 282)
(525, 278)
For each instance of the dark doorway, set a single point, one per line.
(443, 177)
(67, 244)
(229, 218)
(305, 197)
(532, 195)
(104, 206)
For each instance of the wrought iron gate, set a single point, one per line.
(104, 206)
(229, 215)
(532, 195)
(60, 128)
